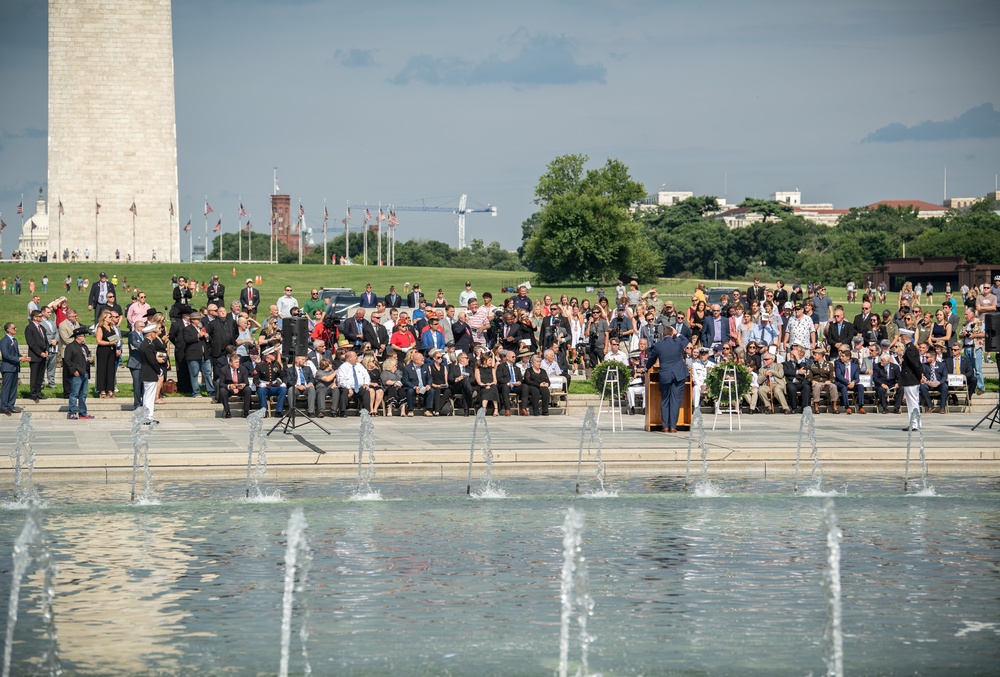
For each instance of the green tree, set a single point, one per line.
(562, 176)
(766, 208)
(588, 237)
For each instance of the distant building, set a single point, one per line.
(34, 241)
(926, 210)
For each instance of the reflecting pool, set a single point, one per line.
(428, 581)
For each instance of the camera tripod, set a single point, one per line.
(994, 414)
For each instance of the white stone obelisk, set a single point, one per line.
(112, 128)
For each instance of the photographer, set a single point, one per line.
(597, 337)
(621, 326)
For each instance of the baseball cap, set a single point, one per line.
(789, 305)
(249, 280)
(885, 343)
(858, 339)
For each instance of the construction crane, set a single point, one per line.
(462, 210)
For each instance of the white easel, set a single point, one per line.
(612, 387)
(730, 390)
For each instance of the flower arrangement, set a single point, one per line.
(714, 380)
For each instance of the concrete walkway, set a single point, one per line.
(217, 448)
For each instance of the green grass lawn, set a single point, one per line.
(154, 279)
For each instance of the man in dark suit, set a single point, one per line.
(715, 329)
(863, 319)
(416, 378)
(958, 363)
(38, 353)
(556, 329)
(221, 332)
(376, 335)
(234, 381)
(392, 299)
(935, 381)
(669, 354)
(250, 299)
(216, 292)
(413, 298)
(839, 332)
(99, 293)
(796, 370)
(368, 298)
(354, 329)
(755, 292)
(509, 380)
(9, 367)
(847, 375)
(886, 378)
(509, 333)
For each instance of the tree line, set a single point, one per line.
(585, 230)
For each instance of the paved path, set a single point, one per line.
(217, 448)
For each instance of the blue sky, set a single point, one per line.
(417, 102)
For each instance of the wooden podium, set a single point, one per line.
(654, 421)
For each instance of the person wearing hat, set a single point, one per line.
(822, 375)
(800, 329)
(153, 354)
(216, 292)
(249, 299)
(269, 381)
(65, 330)
(99, 293)
(911, 375)
(76, 364)
(467, 295)
(764, 332)
(413, 299)
(198, 355)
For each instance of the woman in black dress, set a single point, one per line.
(439, 381)
(536, 382)
(486, 377)
(108, 343)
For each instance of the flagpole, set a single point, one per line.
(190, 240)
(325, 215)
(366, 232)
(205, 255)
(97, 230)
(249, 240)
(59, 237)
(239, 227)
(301, 219)
(133, 228)
(220, 239)
(378, 257)
(347, 234)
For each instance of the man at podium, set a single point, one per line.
(669, 353)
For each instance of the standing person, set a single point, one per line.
(286, 303)
(108, 342)
(216, 292)
(154, 359)
(99, 294)
(911, 375)
(65, 329)
(134, 364)
(9, 367)
(467, 295)
(76, 364)
(669, 353)
(38, 354)
(249, 299)
(368, 298)
(52, 335)
(197, 355)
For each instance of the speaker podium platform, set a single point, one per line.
(654, 421)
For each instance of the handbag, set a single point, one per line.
(169, 387)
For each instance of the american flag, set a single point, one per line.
(276, 189)
(33, 226)
(302, 211)
(171, 207)
(62, 211)
(97, 208)
(393, 221)
(243, 212)
(208, 208)
(133, 209)
(218, 226)
(348, 213)
(368, 216)
(345, 221)
(381, 214)
(248, 228)
(187, 228)
(2, 225)
(326, 214)
(20, 208)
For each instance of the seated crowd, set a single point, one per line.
(400, 354)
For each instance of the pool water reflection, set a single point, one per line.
(429, 581)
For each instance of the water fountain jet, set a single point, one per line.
(141, 430)
(22, 458)
(298, 557)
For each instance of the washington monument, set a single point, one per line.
(112, 131)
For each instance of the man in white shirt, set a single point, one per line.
(551, 367)
(616, 353)
(467, 295)
(353, 380)
(286, 303)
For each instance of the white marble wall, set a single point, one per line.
(112, 129)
